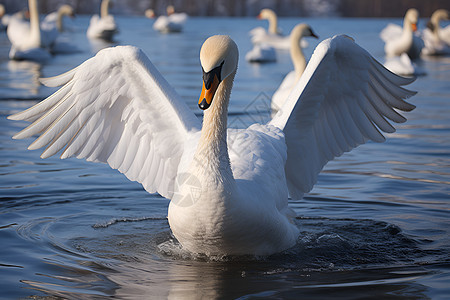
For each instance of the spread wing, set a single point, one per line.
(115, 108)
(342, 100)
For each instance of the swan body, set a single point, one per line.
(271, 37)
(228, 187)
(26, 37)
(261, 53)
(402, 65)
(436, 38)
(400, 40)
(104, 26)
(173, 22)
(298, 59)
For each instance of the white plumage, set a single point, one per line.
(436, 38)
(173, 22)
(27, 40)
(272, 37)
(400, 40)
(228, 187)
(104, 26)
(261, 53)
(299, 61)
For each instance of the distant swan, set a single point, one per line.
(228, 187)
(103, 27)
(299, 61)
(52, 30)
(173, 22)
(271, 37)
(26, 37)
(400, 40)
(261, 54)
(436, 38)
(402, 65)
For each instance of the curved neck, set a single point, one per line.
(104, 9)
(59, 20)
(436, 18)
(297, 56)
(35, 29)
(211, 158)
(273, 23)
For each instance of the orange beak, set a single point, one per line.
(414, 27)
(259, 16)
(208, 93)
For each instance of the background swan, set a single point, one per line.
(436, 38)
(52, 28)
(271, 37)
(402, 65)
(173, 22)
(261, 53)
(133, 120)
(299, 61)
(103, 27)
(56, 20)
(400, 40)
(26, 38)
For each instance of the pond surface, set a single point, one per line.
(376, 225)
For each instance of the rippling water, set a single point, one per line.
(375, 225)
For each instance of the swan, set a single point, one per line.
(400, 40)
(273, 36)
(228, 187)
(26, 38)
(103, 27)
(55, 20)
(261, 53)
(436, 38)
(149, 13)
(299, 61)
(52, 29)
(173, 22)
(402, 65)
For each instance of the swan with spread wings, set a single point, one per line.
(116, 108)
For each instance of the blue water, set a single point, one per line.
(376, 225)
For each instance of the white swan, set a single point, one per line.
(52, 30)
(273, 36)
(228, 187)
(55, 20)
(400, 40)
(299, 61)
(173, 22)
(402, 65)
(261, 54)
(26, 38)
(436, 38)
(103, 27)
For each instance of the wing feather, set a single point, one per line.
(115, 108)
(343, 99)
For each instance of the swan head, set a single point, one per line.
(170, 10)
(412, 16)
(66, 10)
(150, 13)
(219, 57)
(266, 14)
(302, 30)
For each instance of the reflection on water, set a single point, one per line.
(375, 225)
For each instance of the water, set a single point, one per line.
(375, 225)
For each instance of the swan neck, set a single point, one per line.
(34, 21)
(104, 9)
(273, 23)
(212, 156)
(59, 21)
(297, 56)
